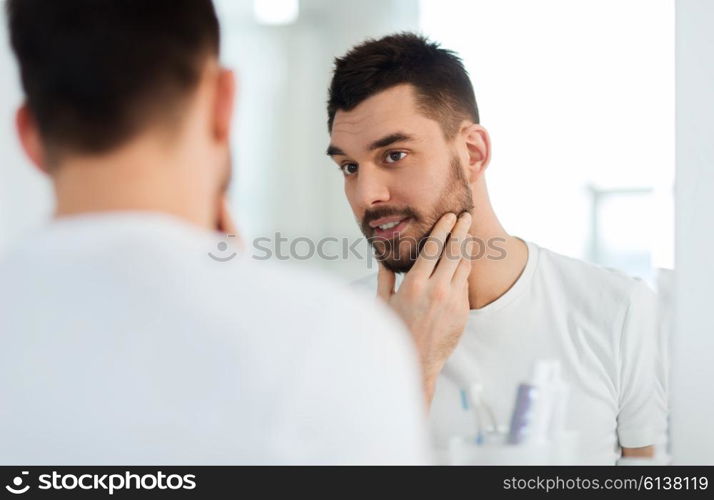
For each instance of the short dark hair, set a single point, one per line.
(444, 90)
(95, 71)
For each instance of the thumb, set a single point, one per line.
(385, 283)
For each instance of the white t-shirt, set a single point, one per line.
(600, 324)
(123, 342)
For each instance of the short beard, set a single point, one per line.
(456, 198)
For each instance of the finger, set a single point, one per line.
(463, 270)
(385, 282)
(432, 249)
(455, 249)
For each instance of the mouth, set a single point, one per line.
(389, 227)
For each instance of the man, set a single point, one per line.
(404, 130)
(121, 340)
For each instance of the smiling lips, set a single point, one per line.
(388, 227)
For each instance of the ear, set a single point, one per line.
(225, 98)
(30, 137)
(478, 150)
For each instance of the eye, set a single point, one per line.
(394, 156)
(348, 168)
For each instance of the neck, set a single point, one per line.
(138, 177)
(501, 257)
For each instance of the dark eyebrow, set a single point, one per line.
(334, 150)
(389, 139)
(379, 143)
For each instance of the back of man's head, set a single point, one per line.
(96, 72)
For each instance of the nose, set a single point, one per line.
(372, 187)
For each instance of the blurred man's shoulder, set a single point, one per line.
(366, 283)
(298, 294)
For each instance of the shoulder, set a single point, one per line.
(308, 304)
(366, 283)
(583, 279)
(601, 293)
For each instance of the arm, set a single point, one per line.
(642, 419)
(643, 452)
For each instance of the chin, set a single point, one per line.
(402, 264)
(400, 261)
